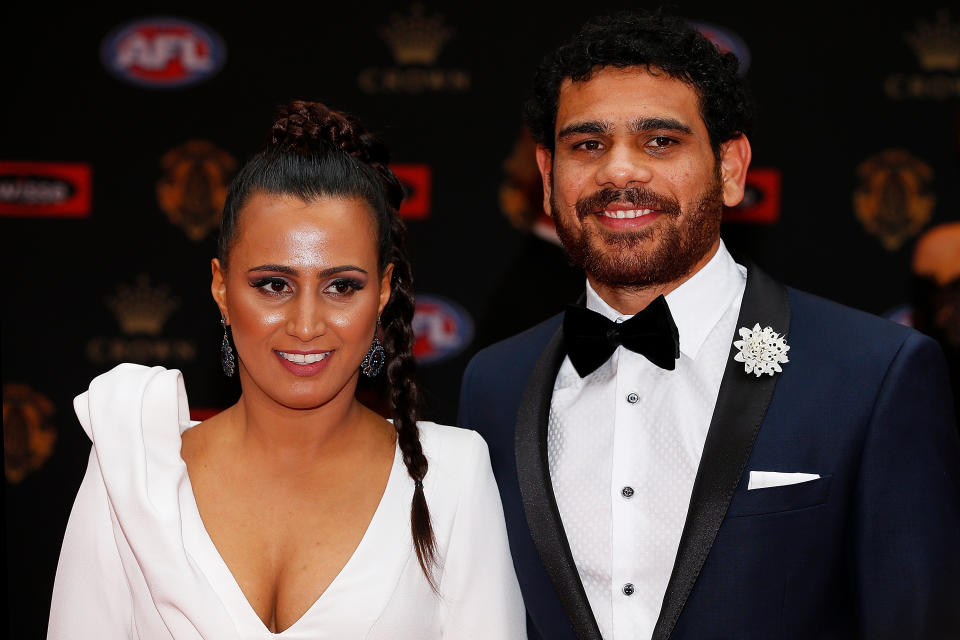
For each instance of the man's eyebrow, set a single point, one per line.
(653, 124)
(290, 271)
(593, 126)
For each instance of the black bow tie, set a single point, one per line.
(591, 339)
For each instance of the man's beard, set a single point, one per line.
(619, 260)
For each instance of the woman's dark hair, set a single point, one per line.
(655, 41)
(315, 152)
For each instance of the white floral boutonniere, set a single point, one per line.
(761, 350)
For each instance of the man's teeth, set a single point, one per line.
(304, 358)
(628, 213)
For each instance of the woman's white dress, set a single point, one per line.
(137, 562)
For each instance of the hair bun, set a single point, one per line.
(303, 125)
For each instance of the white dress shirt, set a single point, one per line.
(137, 561)
(624, 444)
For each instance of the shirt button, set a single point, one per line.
(627, 492)
(633, 398)
(628, 589)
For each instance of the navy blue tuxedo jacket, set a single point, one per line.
(871, 549)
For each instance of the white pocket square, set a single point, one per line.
(767, 479)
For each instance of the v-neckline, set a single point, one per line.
(220, 575)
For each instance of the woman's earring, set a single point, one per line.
(227, 361)
(376, 357)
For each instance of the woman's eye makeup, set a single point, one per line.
(271, 285)
(344, 286)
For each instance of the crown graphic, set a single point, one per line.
(416, 39)
(936, 44)
(141, 308)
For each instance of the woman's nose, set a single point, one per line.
(306, 320)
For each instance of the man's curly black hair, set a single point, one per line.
(654, 41)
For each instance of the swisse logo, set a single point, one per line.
(442, 328)
(727, 42)
(761, 199)
(45, 189)
(416, 180)
(163, 53)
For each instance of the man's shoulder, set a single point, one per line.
(829, 317)
(519, 351)
(850, 339)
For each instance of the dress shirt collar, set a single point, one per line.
(697, 304)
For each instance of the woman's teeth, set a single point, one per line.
(304, 358)
(629, 213)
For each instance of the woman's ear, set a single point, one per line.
(386, 289)
(218, 287)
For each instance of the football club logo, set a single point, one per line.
(443, 329)
(894, 200)
(28, 431)
(194, 186)
(45, 189)
(163, 53)
(416, 40)
(727, 42)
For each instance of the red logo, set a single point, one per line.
(45, 189)
(163, 52)
(417, 180)
(199, 414)
(761, 199)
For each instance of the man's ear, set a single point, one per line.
(735, 156)
(545, 163)
(218, 287)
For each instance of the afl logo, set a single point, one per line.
(727, 42)
(163, 53)
(443, 329)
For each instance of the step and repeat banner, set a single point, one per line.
(122, 130)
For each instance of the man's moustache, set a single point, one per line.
(636, 197)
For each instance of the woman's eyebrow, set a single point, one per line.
(290, 271)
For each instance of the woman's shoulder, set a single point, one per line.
(453, 452)
(132, 394)
(443, 440)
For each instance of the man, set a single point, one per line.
(697, 451)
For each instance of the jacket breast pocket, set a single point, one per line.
(789, 497)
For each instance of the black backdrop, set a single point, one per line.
(858, 121)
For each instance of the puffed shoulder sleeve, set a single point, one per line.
(479, 590)
(91, 596)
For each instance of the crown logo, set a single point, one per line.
(416, 39)
(936, 44)
(141, 308)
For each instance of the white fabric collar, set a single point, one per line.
(697, 304)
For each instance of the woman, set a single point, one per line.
(297, 512)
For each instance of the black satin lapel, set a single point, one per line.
(536, 490)
(741, 406)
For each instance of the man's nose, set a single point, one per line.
(623, 165)
(306, 319)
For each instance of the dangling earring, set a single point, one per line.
(376, 357)
(227, 361)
